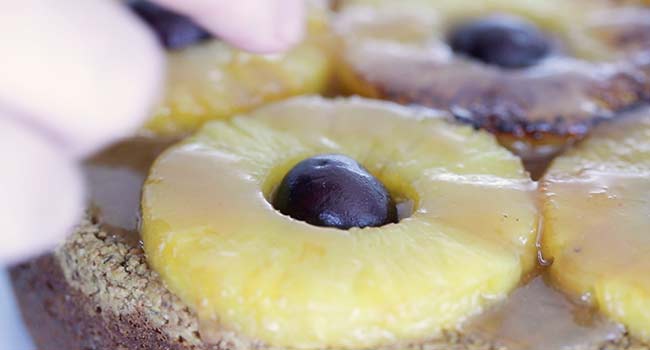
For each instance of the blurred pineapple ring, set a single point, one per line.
(213, 80)
(596, 208)
(211, 234)
(398, 51)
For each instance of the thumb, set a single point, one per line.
(41, 192)
(88, 71)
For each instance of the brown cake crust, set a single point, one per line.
(96, 292)
(61, 317)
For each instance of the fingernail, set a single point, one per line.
(290, 22)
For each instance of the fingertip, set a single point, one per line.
(102, 75)
(284, 29)
(42, 193)
(258, 26)
(291, 23)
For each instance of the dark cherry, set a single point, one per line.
(334, 191)
(505, 41)
(174, 31)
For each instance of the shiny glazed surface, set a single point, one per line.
(597, 221)
(599, 64)
(211, 233)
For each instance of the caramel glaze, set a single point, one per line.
(533, 317)
(509, 121)
(537, 317)
(396, 57)
(115, 179)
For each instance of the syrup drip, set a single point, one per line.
(537, 317)
(115, 179)
(533, 317)
(541, 259)
(537, 166)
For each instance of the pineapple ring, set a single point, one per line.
(597, 221)
(397, 51)
(213, 80)
(211, 234)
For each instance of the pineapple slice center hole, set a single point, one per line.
(404, 196)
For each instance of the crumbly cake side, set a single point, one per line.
(97, 292)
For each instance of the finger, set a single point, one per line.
(41, 193)
(88, 71)
(262, 26)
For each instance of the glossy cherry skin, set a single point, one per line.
(334, 191)
(501, 40)
(174, 30)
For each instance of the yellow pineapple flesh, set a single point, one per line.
(597, 221)
(214, 80)
(400, 51)
(211, 233)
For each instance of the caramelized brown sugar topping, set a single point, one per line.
(597, 64)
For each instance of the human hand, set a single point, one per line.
(77, 75)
